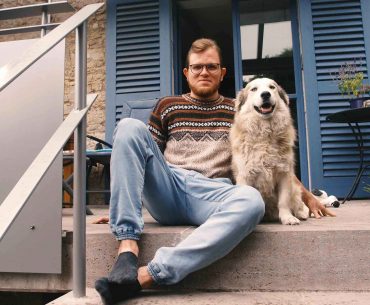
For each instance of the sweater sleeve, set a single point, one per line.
(157, 127)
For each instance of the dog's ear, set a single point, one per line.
(240, 99)
(283, 95)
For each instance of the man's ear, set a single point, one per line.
(186, 72)
(223, 73)
(283, 95)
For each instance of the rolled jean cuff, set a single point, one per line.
(154, 271)
(123, 234)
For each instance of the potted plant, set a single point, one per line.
(366, 188)
(350, 83)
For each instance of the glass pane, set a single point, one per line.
(249, 34)
(277, 40)
(266, 41)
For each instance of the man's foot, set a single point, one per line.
(124, 270)
(102, 286)
(112, 293)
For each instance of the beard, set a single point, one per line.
(205, 92)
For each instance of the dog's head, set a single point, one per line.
(262, 95)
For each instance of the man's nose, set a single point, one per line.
(265, 95)
(204, 70)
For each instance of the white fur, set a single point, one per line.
(262, 150)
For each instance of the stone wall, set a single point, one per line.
(95, 57)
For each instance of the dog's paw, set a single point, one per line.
(289, 220)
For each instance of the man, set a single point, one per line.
(181, 170)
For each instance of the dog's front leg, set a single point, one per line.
(285, 195)
(241, 170)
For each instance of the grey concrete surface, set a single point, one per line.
(331, 253)
(230, 298)
(318, 255)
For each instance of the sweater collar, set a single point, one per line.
(203, 102)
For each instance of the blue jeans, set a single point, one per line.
(224, 213)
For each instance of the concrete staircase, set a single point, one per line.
(325, 261)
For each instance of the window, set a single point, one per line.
(266, 41)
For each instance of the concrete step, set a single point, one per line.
(325, 254)
(329, 254)
(234, 298)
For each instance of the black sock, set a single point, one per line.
(112, 293)
(124, 270)
(102, 286)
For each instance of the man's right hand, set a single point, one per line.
(101, 220)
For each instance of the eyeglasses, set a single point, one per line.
(198, 68)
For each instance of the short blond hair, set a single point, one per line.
(201, 45)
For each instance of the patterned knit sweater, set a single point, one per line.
(194, 134)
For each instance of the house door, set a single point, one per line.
(257, 38)
(267, 33)
(210, 19)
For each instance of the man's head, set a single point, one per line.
(204, 71)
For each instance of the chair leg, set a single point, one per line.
(106, 174)
(69, 190)
(88, 172)
(88, 211)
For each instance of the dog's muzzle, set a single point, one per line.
(266, 108)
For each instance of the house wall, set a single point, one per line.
(95, 57)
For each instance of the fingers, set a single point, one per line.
(316, 208)
(101, 220)
(321, 212)
(316, 214)
(327, 212)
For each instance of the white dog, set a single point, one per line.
(262, 139)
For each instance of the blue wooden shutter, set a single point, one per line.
(333, 33)
(138, 58)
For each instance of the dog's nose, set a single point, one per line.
(265, 95)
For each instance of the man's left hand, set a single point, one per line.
(316, 208)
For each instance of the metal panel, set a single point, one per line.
(22, 191)
(32, 108)
(332, 34)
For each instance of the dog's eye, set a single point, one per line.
(272, 87)
(254, 89)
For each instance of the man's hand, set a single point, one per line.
(315, 207)
(101, 220)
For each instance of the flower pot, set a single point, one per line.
(357, 102)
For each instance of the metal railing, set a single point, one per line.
(76, 120)
(40, 9)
